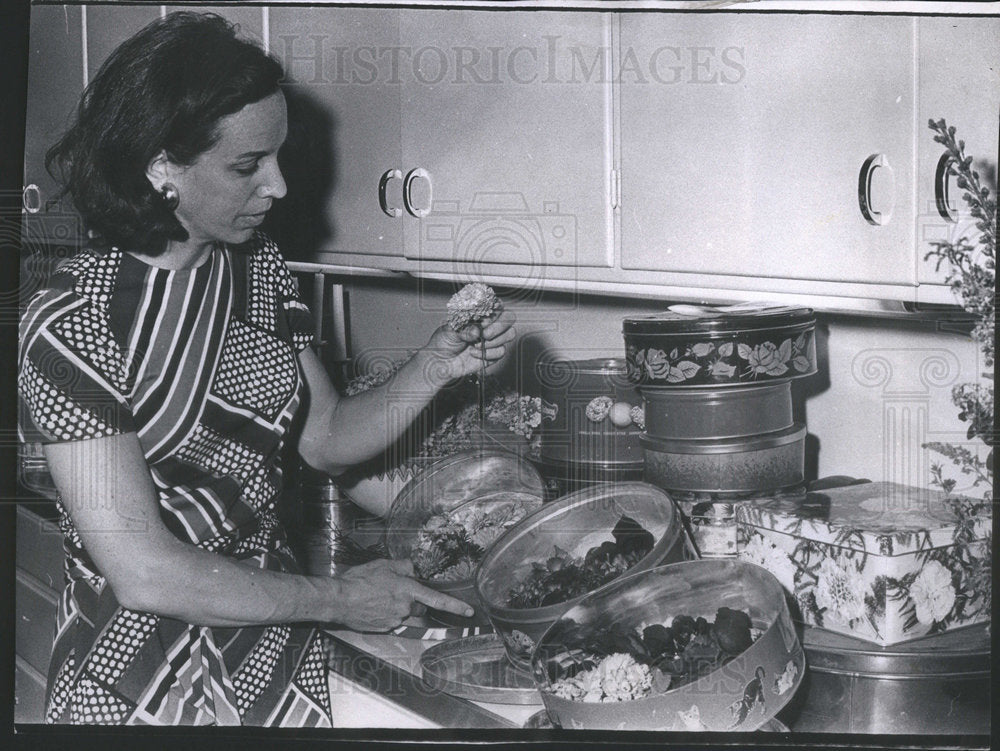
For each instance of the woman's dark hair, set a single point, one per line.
(166, 88)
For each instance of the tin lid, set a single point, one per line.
(701, 446)
(687, 319)
(884, 518)
(477, 668)
(962, 651)
(591, 471)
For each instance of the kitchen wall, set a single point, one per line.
(883, 388)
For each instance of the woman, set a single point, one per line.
(162, 371)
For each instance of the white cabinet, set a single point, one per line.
(344, 133)
(958, 80)
(749, 141)
(55, 82)
(506, 137)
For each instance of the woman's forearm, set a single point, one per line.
(341, 432)
(181, 581)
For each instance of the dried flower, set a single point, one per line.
(474, 303)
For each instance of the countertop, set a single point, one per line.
(375, 681)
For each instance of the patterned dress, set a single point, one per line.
(201, 364)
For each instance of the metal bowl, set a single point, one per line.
(760, 680)
(476, 476)
(576, 523)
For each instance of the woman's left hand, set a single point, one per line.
(460, 353)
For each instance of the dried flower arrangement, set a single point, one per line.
(971, 274)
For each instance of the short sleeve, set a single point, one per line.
(295, 321)
(69, 373)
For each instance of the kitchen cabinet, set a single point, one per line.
(744, 138)
(38, 583)
(958, 80)
(506, 139)
(344, 133)
(55, 82)
(110, 25)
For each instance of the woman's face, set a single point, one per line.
(227, 191)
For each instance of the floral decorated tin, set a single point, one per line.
(881, 561)
(701, 346)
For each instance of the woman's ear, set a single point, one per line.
(158, 170)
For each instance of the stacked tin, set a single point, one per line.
(591, 423)
(719, 425)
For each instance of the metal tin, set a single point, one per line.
(766, 674)
(477, 474)
(477, 668)
(566, 477)
(720, 347)
(718, 412)
(936, 685)
(745, 465)
(575, 523)
(576, 423)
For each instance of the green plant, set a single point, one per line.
(971, 274)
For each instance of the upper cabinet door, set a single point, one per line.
(343, 143)
(773, 146)
(958, 80)
(55, 83)
(506, 132)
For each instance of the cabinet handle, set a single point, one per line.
(942, 180)
(865, 190)
(412, 175)
(393, 211)
(31, 205)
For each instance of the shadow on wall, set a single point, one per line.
(805, 388)
(299, 222)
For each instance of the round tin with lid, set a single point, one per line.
(718, 412)
(749, 464)
(691, 345)
(591, 413)
(563, 477)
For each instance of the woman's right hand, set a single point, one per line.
(380, 595)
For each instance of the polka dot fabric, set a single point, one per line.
(255, 673)
(120, 645)
(210, 392)
(219, 455)
(55, 413)
(312, 676)
(265, 388)
(95, 705)
(86, 333)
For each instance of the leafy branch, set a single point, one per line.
(971, 274)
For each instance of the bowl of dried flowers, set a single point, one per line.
(696, 645)
(447, 517)
(571, 546)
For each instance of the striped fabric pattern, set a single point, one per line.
(200, 364)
